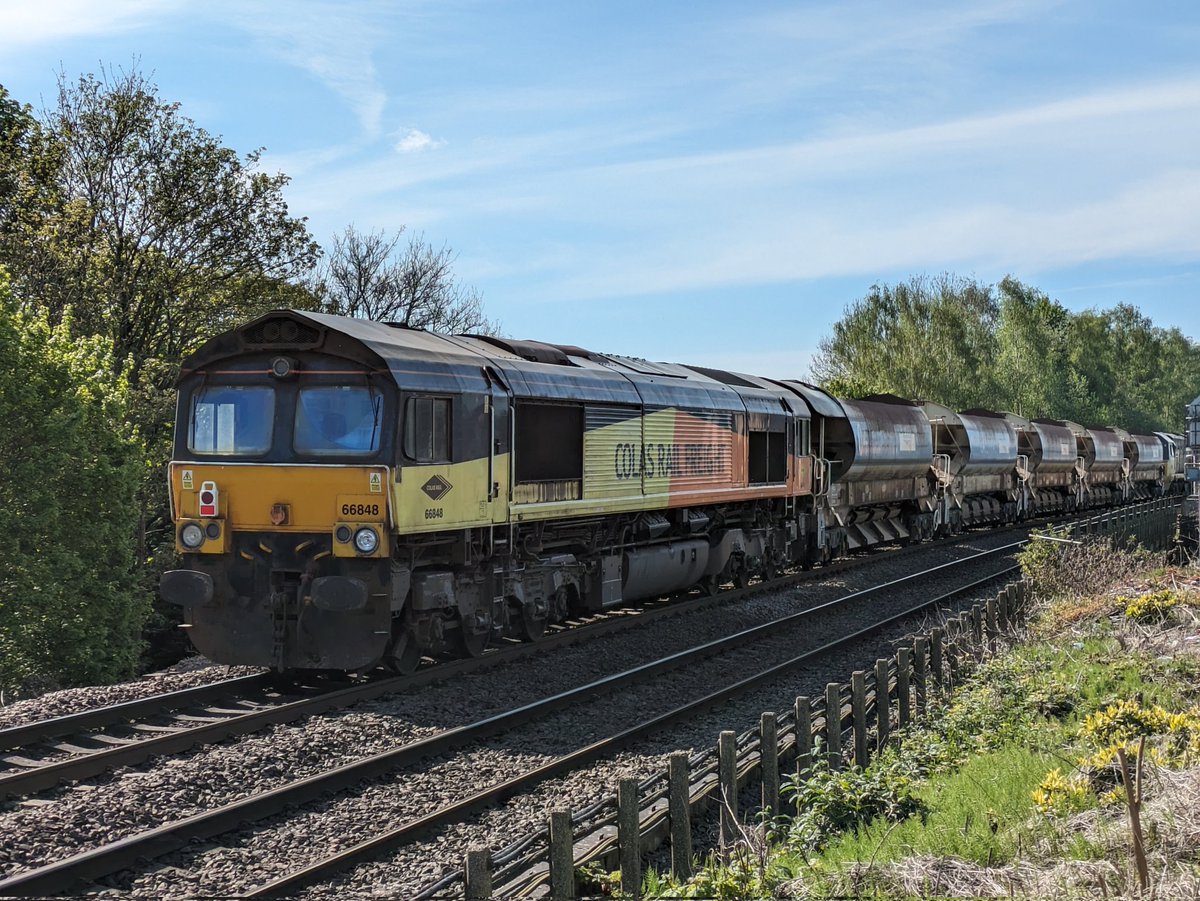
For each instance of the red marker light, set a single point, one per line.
(208, 499)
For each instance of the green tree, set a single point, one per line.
(1032, 376)
(155, 236)
(71, 608)
(16, 125)
(926, 338)
(1011, 348)
(158, 234)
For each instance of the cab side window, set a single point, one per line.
(427, 429)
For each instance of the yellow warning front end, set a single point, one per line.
(343, 502)
(287, 563)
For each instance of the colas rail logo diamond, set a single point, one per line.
(436, 487)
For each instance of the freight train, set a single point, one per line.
(349, 493)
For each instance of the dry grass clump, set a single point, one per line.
(940, 877)
(1065, 572)
(1172, 820)
(1180, 638)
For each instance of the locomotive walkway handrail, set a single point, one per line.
(110, 858)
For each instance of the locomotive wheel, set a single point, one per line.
(405, 656)
(470, 644)
(530, 627)
(741, 576)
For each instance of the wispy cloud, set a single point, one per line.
(29, 23)
(1022, 188)
(1153, 218)
(882, 149)
(334, 42)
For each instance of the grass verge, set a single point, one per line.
(1011, 787)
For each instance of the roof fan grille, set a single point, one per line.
(281, 332)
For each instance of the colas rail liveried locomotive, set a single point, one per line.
(348, 493)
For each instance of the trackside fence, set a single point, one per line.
(848, 726)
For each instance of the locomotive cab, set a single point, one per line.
(279, 489)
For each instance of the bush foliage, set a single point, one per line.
(71, 609)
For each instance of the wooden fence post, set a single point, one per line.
(920, 662)
(903, 694)
(935, 656)
(833, 724)
(858, 708)
(680, 809)
(629, 837)
(964, 627)
(727, 766)
(477, 875)
(883, 704)
(993, 635)
(977, 630)
(952, 660)
(803, 736)
(562, 856)
(768, 748)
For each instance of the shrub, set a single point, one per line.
(832, 801)
(1153, 606)
(1176, 735)
(1060, 569)
(71, 611)
(1057, 795)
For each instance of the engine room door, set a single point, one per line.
(500, 463)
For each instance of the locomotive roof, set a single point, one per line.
(821, 401)
(424, 361)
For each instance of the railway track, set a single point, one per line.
(45, 754)
(40, 755)
(125, 853)
(122, 855)
(622, 739)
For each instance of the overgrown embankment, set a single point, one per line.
(1017, 786)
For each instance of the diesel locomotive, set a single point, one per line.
(349, 493)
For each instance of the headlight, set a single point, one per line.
(191, 536)
(342, 534)
(366, 540)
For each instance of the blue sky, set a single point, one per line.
(703, 182)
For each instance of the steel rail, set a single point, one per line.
(93, 864)
(139, 708)
(369, 849)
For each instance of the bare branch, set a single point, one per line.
(372, 276)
